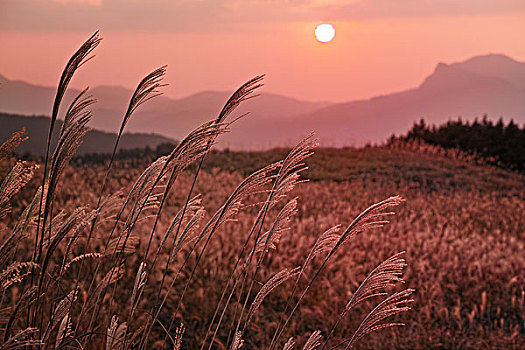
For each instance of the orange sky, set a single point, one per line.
(217, 45)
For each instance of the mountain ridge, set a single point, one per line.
(95, 141)
(492, 85)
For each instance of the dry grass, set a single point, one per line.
(463, 247)
(87, 264)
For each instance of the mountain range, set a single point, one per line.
(36, 128)
(492, 85)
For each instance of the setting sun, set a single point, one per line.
(325, 32)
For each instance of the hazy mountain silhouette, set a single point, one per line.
(490, 84)
(94, 142)
(171, 117)
(496, 66)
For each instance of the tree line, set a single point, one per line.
(499, 143)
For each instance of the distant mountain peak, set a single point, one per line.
(490, 58)
(478, 70)
(440, 67)
(114, 91)
(495, 66)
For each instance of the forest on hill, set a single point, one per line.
(498, 143)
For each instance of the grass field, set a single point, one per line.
(223, 250)
(462, 227)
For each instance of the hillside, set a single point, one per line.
(95, 141)
(395, 167)
(461, 227)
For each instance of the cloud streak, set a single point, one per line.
(82, 2)
(222, 15)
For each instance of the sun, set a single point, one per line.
(324, 32)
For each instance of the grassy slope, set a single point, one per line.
(404, 167)
(462, 227)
